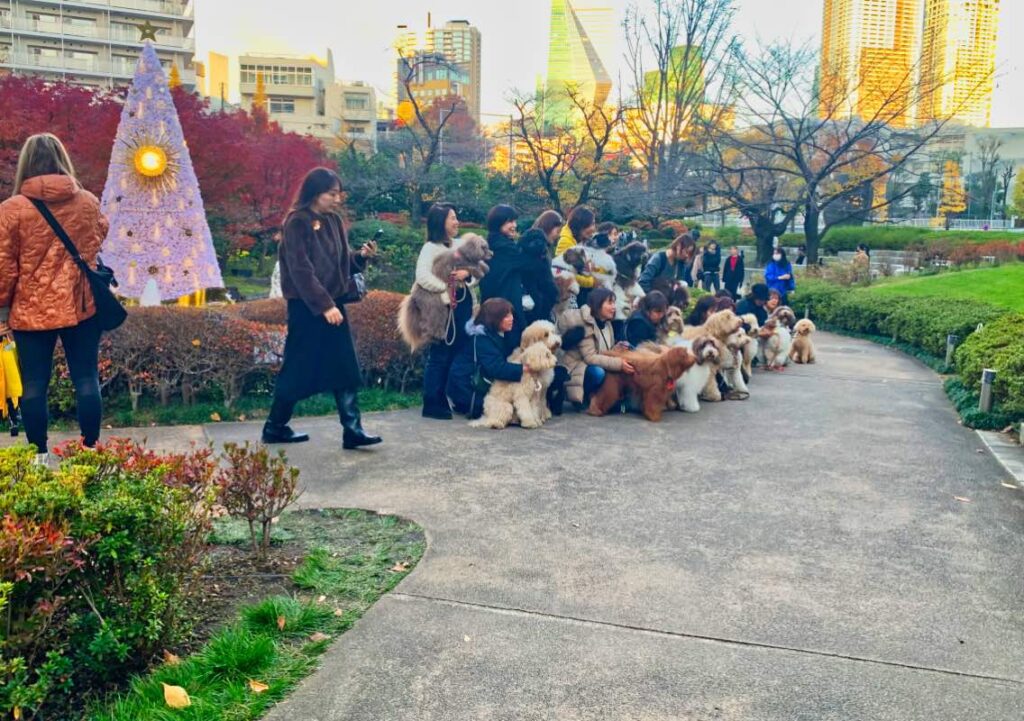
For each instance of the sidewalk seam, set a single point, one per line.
(699, 637)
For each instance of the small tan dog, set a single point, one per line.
(803, 348)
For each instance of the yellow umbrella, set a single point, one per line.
(11, 384)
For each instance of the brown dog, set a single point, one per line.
(651, 386)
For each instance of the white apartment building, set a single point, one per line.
(93, 42)
(304, 97)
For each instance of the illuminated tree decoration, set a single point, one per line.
(159, 238)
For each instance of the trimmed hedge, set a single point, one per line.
(847, 237)
(923, 322)
(999, 345)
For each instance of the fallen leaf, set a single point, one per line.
(176, 697)
(1009, 485)
(962, 499)
(258, 686)
(17, 713)
(321, 599)
(280, 623)
(467, 639)
(318, 637)
(170, 659)
(242, 417)
(338, 612)
(400, 567)
(215, 417)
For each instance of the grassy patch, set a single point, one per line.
(355, 557)
(118, 413)
(1001, 286)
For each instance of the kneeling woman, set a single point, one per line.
(587, 362)
(316, 279)
(486, 350)
(643, 325)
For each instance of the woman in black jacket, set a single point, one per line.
(670, 268)
(316, 280)
(642, 326)
(505, 278)
(487, 351)
(540, 294)
(732, 275)
(711, 266)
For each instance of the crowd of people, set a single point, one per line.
(600, 287)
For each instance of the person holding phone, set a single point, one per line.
(316, 279)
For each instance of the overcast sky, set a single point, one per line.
(360, 32)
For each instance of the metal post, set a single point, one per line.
(807, 311)
(951, 341)
(988, 379)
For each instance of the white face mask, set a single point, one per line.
(776, 257)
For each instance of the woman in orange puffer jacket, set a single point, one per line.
(43, 294)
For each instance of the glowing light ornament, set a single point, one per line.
(152, 197)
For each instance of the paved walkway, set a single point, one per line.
(801, 555)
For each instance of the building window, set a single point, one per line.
(282, 106)
(276, 74)
(357, 129)
(356, 102)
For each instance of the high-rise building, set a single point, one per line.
(94, 43)
(958, 61)
(459, 43)
(455, 45)
(869, 55)
(218, 77)
(304, 97)
(427, 77)
(578, 46)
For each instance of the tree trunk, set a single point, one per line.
(811, 237)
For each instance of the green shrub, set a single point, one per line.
(395, 267)
(103, 555)
(999, 345)
(847, 237)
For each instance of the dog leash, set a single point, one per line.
(450, 331)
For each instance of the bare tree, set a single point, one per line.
(988, 176)
(1005, 179)
(833, 148)
(676, 51)
(566, 159)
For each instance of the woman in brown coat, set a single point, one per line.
(43, 294)
(588, 363)
(316, 275)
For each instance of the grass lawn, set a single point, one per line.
(327, 568)
(1002, 286)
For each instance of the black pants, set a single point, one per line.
(711, 281)
(440, 356)
(35, 354)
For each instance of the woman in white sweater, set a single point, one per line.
(442, 227)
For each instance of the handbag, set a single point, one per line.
(479, 381)
(356, 289)
(110, 314)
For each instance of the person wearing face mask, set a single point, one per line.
(779, 275)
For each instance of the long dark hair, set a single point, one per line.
(684, 244)
(317, 182)
(580, 218)
(437, 218)
(498, 216)
(704, 304)
(782, 260)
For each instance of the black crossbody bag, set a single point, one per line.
(110, 314)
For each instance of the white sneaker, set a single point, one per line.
(41, 459)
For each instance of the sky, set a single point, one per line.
(514, 38)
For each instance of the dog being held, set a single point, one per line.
(523, 401)
(650, 387)
(803, 348)
(423, 316)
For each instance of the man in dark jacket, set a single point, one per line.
(732, 275)
(754, 303)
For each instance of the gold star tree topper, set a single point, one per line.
(148, 32)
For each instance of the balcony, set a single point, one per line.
(118, 68)
(176, 9)
(94, 33)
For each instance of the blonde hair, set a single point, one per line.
(42, 154)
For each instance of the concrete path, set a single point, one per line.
(837, 547)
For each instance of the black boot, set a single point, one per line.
(276, 429)
(282, 434)
(348, 410)
(556, 392)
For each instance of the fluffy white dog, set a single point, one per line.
(689, 386)
(523, 401)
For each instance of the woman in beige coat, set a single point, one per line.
(588, 363)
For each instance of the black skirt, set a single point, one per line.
(318, 357)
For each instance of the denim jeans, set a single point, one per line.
(593, 378)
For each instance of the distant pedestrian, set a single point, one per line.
(316, 279)
(734, 272)
(711, 266)
(779, 274)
